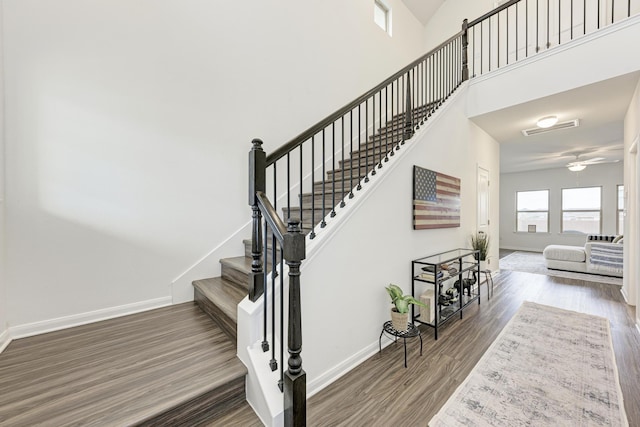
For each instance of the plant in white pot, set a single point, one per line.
(480, 243)
(400, 309)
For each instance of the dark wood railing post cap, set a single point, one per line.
(257, 144)
(294, 242)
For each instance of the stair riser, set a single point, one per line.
(236, 276)
(203, 408)
(225, 323)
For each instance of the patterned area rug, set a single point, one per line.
(533, 262)
(548, 367)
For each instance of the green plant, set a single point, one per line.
(400, 300)
(480, 242)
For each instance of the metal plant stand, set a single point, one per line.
(411, 332)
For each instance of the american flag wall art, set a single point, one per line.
(436, 200)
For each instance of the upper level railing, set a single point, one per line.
(519, 29)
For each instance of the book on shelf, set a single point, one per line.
(431, 276)
(427, 314)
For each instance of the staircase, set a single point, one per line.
(219, 297)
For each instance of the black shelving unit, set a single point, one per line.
(464, 262)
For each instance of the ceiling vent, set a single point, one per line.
(563, 125)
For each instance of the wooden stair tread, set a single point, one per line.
(225, 294)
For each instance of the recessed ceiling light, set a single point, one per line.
(547, 122)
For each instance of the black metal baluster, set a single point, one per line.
(371, 143)
(288, 185)
(312, 235)
(507, 37)
(386, 135)
(537, 26)
(628, 8)
(265, 317)
(323, 224)
(559, 21)
(612, 10)
(359, 147)
(526, 29)
(343, 195)
(273, 363)
(281, 381)
(300, 184)
(333, 161)
(571, 20)
(351, 159)
(386, 117)
(548, 24)
(517, 22)
(498, 43)
(481, 47)
(598, 21)
(490, 42)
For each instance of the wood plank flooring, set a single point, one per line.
(121, 372)
(381, 392)
(70, 367)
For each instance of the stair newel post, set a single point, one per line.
(408, 123)
(295, 379)
(257, 182)
(465, 44)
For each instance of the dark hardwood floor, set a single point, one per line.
(161, 367)
(381, 392)
(39, 372)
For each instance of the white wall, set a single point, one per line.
(344, 306)
(606, 175)
(632, 214)
(448, 19)
(4, 334)
(128, 125)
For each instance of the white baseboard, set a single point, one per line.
(344, 367)
(5, 340)
(36, 328)
(624, 295)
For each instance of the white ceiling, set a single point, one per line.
(423, 9)
(601, 108)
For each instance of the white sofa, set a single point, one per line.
(600, 255)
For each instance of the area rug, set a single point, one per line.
(548, 367)
(533, 262)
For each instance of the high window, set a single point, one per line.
(581, 210)
(620, 224)
(532, 211)
(382, 15)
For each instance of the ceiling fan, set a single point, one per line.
(579, 165)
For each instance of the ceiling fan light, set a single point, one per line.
(547, 122)
(577, 168)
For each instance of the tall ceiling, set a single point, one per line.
(423, 9)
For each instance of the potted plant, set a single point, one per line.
(480, 242)
(400, 310)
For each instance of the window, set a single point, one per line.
(382, 15)
(581, 210)
(532, 211)
(620, 224)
